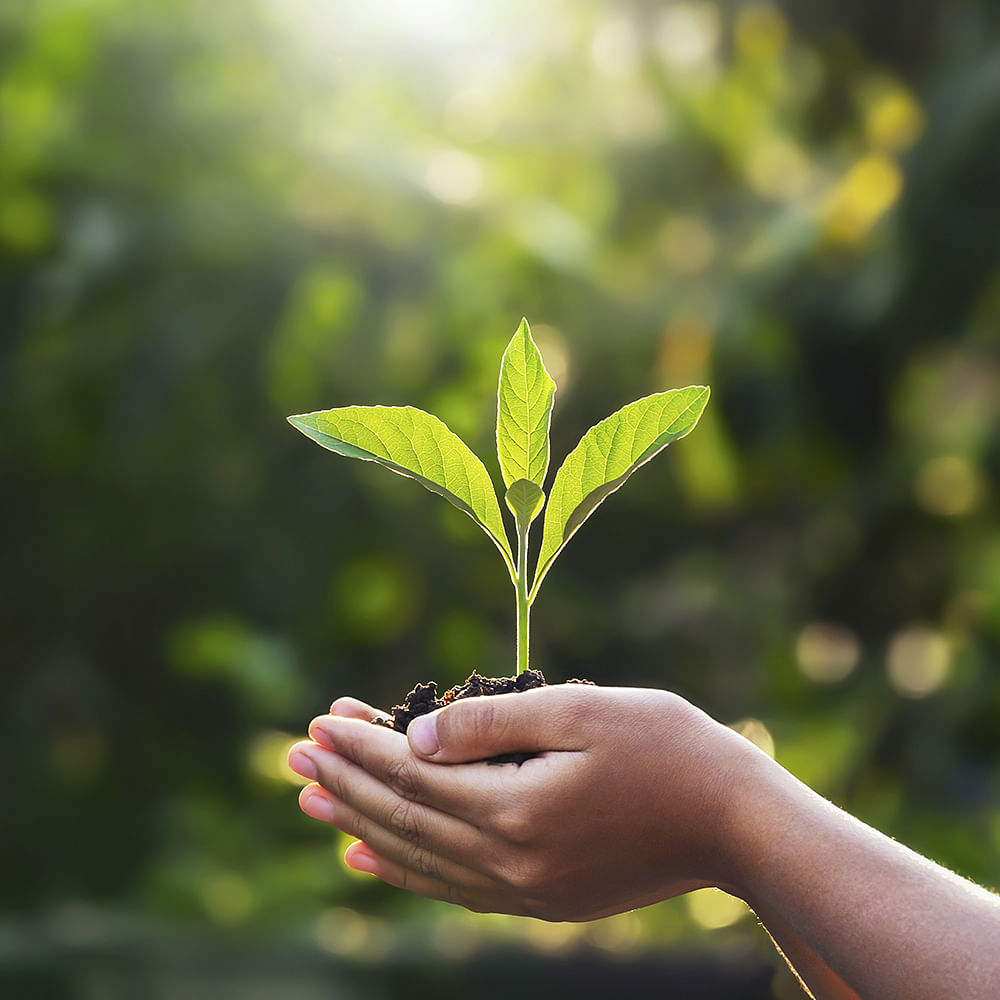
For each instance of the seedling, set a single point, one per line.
(416, 444)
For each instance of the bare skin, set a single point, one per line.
(574, 835)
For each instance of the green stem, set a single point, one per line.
(523, 606)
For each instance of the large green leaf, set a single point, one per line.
(412, 443)
(607, 455)
(524, 410)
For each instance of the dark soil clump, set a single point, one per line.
(423, 699)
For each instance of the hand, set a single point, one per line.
(626, 804)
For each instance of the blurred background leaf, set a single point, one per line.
(212, 215)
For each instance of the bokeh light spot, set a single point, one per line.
(687, 34)
(779, 169)
(866, 192)
(343, 931)
(826, 653)
(615, 47)
(267, 756)
(919, 661)
(620, 934)
(757, 733)
(894, 121)
(454, 177)
(555, 939)
(713, 908)
(949, 486)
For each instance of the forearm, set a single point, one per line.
(820, 981)
(886, 921)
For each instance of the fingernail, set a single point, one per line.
(423, 735)
(317, 805)
(319, 735)
(302, 763)
(361, 861)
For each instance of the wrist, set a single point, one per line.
(747, 803)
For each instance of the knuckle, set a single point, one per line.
(422, 862)
(525, 876)
(516, 825)
(356, 825)
(469, 723)
(404, 821)
(401, 777)
(335, 781)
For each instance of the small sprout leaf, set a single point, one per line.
(416, 444)
(524, 410)
(607, 455)
(525, 500)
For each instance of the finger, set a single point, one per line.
(402, 851)
(383, 754)
(411, 856)
(351, 708)
(473, 729)
(316, 801)
(366, 803)
(361, 857)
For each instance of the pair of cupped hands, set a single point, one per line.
(634, 796)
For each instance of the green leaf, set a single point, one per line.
(525, 500)
(607, 455)
(524, 410)
(413, 443)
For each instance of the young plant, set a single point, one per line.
(416, 444)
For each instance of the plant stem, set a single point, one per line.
(521, 586)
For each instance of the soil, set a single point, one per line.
(423, 699)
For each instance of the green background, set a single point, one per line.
(216, 214)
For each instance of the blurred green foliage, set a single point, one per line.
(212, 215)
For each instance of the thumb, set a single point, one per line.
(478, 728)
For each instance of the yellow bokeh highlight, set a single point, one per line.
(556, 939)
(894, 121)
(267, 756)
(779, 169)
(686, 35)
(826, 653)
(757, 733)
(343, 931)
(865, 193)
(919, 661)
(620, 934)
(453, 176)
(713, 908)
(949, 486)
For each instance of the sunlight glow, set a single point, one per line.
(713, 908)
(462, 40)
